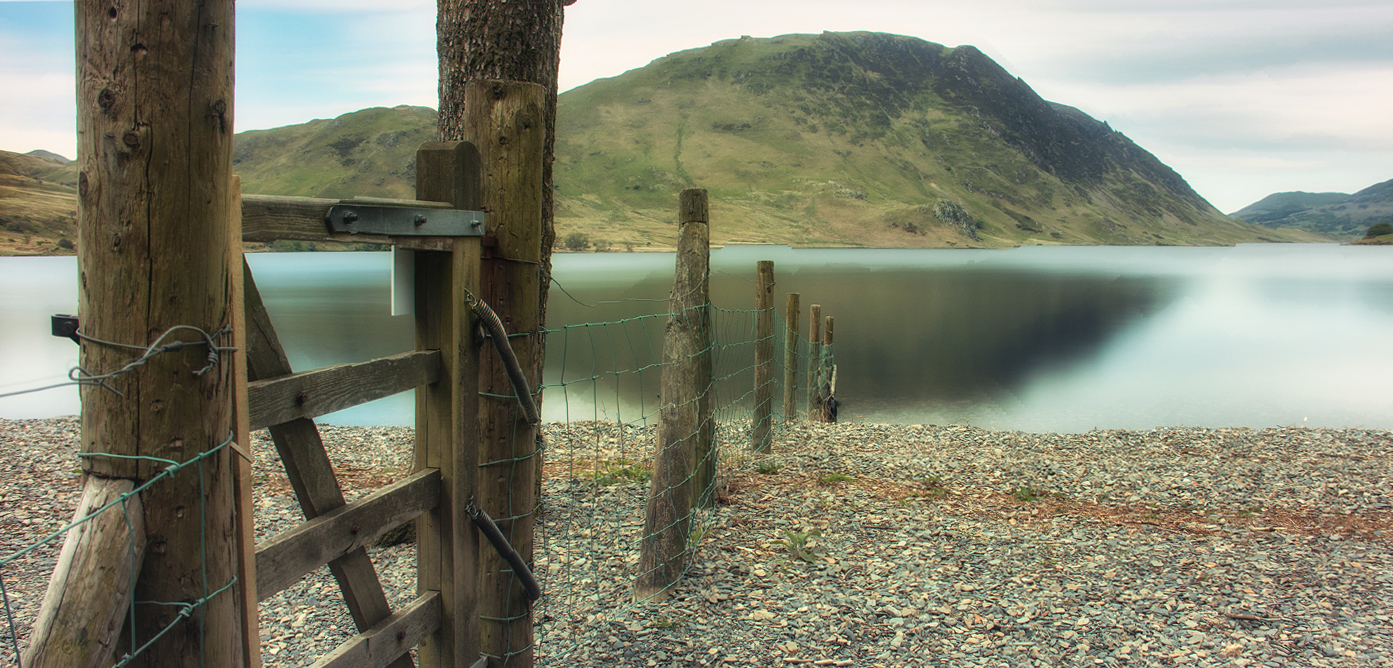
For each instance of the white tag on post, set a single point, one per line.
(403, 281)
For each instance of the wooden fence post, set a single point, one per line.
(506, 121)
(447, 412)
(791, 358)
(764, 356)
(685, 381)
(825, 377)
(155, 98)
(814, 360)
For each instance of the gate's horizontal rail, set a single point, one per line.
(309, 394)
(378, 646)
(282, 560)
(271, 217)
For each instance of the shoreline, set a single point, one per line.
(922, 545)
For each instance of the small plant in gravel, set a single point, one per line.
(797, 544)
(933, 488)
(618, 472)
(833, 478)
(768, 468)
(1027, 495)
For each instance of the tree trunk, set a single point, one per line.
(507, 41)
(510, 41)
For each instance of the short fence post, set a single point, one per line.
(825, 377)
(686, 382)
(764, 356)
(814, 360)
(791, 358)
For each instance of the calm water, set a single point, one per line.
(1035, 338)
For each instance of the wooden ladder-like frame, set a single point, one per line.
(444, 371)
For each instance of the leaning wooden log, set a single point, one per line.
(90, 592)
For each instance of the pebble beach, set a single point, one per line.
(875, 545)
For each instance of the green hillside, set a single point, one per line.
(368, 153)
(38, 204)
(838, 139)
(861, 139)
(1337, 214)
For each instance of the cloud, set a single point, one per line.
(1226, 91)
(1288, 109)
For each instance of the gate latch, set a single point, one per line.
(402, 221)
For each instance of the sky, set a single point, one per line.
(1242, 97)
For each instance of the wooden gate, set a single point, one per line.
(443, 369)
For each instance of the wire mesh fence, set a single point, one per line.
(17, 623)
(110, 512)
(603, 392)
(603, 389)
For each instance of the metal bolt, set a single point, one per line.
(419, 220)
(350, 217)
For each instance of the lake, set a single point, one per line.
(1033, 338)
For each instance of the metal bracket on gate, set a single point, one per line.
(403, 221)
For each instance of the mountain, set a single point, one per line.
(38, 207)
(861, 139)
(838, 139)
(1337, 214)
(49, 155)
(368, 153)
(857, 139)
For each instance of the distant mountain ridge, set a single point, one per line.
(837, 139)
(38, 203)
(861, 139)
(1338, 214)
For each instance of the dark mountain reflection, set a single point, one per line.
(911, 336)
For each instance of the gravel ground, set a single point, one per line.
(877, 545)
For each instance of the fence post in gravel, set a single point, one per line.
(154, 118)
(764, 356)
(791, 358)
(505, 120)
(814, 360)
(686, 381)
(825, 377)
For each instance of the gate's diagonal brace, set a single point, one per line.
(505, 550)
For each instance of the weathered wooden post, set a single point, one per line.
(506, 121)
(814, 360)
(448, 550)
(155, 94)
(825, 376)
(685, 382)
(791, 358)
(764, 356)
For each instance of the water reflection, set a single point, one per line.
(1031, 338)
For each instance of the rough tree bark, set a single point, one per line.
(504, 41)
(511, 41)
